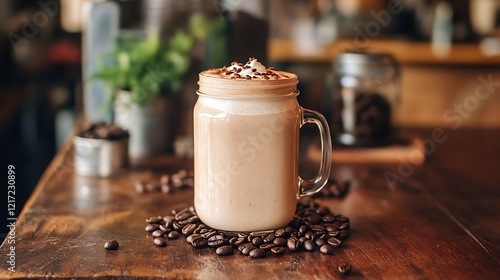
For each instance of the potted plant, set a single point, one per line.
(144, 76)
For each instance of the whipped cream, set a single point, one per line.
(253, 69)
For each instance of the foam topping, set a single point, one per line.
(253, 69)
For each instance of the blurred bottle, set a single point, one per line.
(100, 28)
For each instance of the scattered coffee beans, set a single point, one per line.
(312, 227)
(167, 183)
(111, 245)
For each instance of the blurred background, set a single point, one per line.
(49, 49)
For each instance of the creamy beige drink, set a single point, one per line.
(246, 132)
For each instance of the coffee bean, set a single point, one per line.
(269, 238)
(164, 229)
(157, 233)
(151, 187)
(111, 245)
(323, 236)
(344, 226)
(278, 250)
(199, 242)
(184, 222)
(257, 241)
(236, 241)
(320, 242)
(267, 246)
(326, 249)
(293, 244)
(194, 219)
(247, 249)
(280, 241)
(317, 228)
(152, 227)
(295, 223)
(328, 219)
(334, 233)
(154, 220)
(302, 240)
(243, 235)
(334, 242)
(188, 229)
(257, 253)
(314, 219)
(344, 234)
(166, 188)
(342, 218)
(243, 245)
(250, 237)
(217, 241)
(331, 228)
(190, 238)
(183, 216)
(179, 211)
(338, 223)
(309, 245)
(160, 242)
(173, 235)
(311, 236)
(224, 250)
(209, 234)
(168, 221)
(176, 226)
(323, 210)
(176, 180)
(165, 179)
(280, 232)
(188, 182)
(302, 230)
(345, 268)
(139, 187)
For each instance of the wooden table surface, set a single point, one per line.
(442, 222)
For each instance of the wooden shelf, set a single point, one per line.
(405, 52)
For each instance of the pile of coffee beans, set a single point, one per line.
(373, 119)
(103, 130)
(168, 183)
(313, 228)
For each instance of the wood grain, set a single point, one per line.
(442, 222)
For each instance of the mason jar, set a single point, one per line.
(366, 91)
(246, 151)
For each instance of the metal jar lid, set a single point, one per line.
(368, 64)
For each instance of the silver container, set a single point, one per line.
(100, 157)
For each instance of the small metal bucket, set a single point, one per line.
(100, 157)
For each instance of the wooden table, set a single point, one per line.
(442, 222)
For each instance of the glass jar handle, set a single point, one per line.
(312, 186)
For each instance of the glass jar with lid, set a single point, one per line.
(366, 91)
